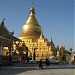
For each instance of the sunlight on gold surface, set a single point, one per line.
(25, 27)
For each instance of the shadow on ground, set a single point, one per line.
(18, 68)
(15, 69)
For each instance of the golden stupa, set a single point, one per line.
(31, 29)
(33, 37)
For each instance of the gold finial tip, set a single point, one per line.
(32, 10)
(32, 2)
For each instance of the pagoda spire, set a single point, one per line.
(32, 10)
(2, 23)
(31, 28)
(32, 2)
(51, 40)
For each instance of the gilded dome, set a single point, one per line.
(31, 29)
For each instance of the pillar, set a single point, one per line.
(10, 50)
(10, 53)
(1, 49)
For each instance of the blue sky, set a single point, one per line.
(56, 18)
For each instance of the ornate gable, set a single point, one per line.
(5, 34)
(4, 31)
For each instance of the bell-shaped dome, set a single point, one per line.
(31, 29)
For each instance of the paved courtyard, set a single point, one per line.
(32, 69)
(49, 72)
(26, 71)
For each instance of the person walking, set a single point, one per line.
(47, 62)
(40, 64)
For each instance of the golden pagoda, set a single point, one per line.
(31, 29)
(34, 39)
